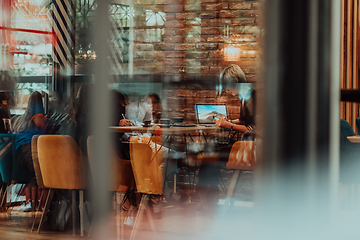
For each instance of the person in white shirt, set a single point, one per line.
(139, 111)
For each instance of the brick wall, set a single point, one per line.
(191, 41)
(182, 97)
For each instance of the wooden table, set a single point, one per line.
(354, 139)
(170, 133)
(166, 131)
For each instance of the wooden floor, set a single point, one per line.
(185, 220)
(179, 221)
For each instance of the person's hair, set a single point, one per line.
(14, 123)
(118, 103)
(155, 97)
(156, 112)
(244, 110)
(232, 73)
(81, 107)
(3, 96)
(118, 98)
(35, 106)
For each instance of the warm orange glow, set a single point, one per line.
(231, 53)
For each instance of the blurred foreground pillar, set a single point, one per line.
(297, 175)
(100, 121)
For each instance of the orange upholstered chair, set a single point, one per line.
(242, 157)
(149, 177)
(62, 166)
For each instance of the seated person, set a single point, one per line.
(245, 124)
(131, 114)
(32, 122)
(155, 102)
(209, 173)
(138, 111)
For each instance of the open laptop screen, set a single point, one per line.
(207, 112)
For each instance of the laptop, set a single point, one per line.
(206, 113)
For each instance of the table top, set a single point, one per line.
(354, 139)
(172, 130)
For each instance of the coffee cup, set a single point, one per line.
(165, 122)
(178, 120)
(147, 123)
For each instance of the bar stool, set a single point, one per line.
(62, 166)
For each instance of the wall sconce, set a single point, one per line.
(231, 52)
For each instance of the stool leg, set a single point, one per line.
(33, 225)
(46, 208)
(175, 182)
(3, 197)
(230, 191)
(138, 217)
(122, 196)
(41, 197)
(73, 206)
(148, 214)
(119, 229)
(81, 200)
(33, 195)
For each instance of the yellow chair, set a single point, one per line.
(62, 166)
(149, 177)
(147, 169)
(242, 157)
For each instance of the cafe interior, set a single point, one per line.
(179, 119)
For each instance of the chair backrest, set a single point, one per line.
(357, 122)
(7, 152)
(34, 152)
(345, 131)
(121, 176)
(61, 162)
(349, 152)
(148, 171)
(242, 156)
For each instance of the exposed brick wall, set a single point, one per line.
(182, 98)
(191, 42)
(192, 37)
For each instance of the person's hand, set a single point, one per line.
(124, 122)
(145, 139)
(222, 123)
